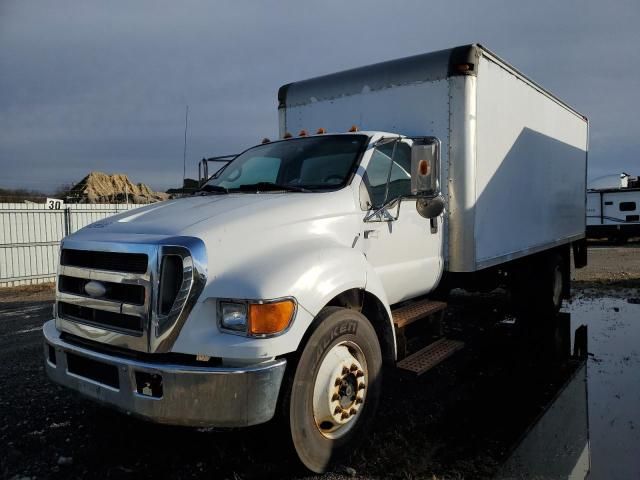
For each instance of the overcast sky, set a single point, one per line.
(103, 85)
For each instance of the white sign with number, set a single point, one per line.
(54, 204)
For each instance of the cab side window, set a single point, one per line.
(388, 174)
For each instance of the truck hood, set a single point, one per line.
(173, 217)
(203, 215)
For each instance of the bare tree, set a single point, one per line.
(63, 191)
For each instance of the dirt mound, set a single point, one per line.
(98, 187)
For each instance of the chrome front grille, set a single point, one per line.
(117, 292)
(105, 292)
(121, 315)
(110, 261)
(119, 322)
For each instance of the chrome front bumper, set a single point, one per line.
(178, 395)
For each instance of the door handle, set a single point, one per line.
(370, 234)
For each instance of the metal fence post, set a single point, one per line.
(67, 222)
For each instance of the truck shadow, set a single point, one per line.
(461, 420)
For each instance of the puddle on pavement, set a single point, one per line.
(613, 380)
(557, 445)
(591, 428)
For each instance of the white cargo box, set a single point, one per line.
(514, 156)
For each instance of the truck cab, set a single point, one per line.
(184, 312)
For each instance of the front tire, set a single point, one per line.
(335, 389)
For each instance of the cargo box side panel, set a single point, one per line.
(530, 168)
(415, 109)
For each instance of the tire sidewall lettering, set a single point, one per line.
(347, 327)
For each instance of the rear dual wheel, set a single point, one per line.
(539, 285)
(335, 388)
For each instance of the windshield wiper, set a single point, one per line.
(213, 189)
(270, 187)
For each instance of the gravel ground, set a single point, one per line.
(618, 265)
(461, 420)
(27, 294)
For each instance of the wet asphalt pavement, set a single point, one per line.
(468, 418)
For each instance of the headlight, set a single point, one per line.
(257, 318)
(233, 316)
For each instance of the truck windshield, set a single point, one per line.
(299, 164)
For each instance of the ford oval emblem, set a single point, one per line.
(95, 289)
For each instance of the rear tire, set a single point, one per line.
(538, 286)
(335, 389)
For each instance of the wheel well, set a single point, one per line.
(372, 308)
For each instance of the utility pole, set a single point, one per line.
(184, 152)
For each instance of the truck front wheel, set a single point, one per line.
(335, 388)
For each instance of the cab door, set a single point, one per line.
(404, 248)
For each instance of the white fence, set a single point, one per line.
(30, 237)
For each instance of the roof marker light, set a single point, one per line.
(354, 128)
(265, 140)
(303, 133)
(321, 131)
(287, 135)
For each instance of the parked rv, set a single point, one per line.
(613, 209)
(283, 287)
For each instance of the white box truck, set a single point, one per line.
(292, 277)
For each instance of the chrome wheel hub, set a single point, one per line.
(340, 389)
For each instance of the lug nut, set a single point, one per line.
(358, 401)
(354, 367)
(335, 397)
(359, 374)
(361, 386)
(353, 411)
(344, 415)
(345, 370)
(337, 382)
(337, 410)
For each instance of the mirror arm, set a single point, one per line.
(382, 214)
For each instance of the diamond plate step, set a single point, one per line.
(407, 314)
(430, 356)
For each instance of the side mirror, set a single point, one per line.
(430, 207)
(425, 166)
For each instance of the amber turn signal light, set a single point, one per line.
(270, 318)
(464, 67)
(423, 167)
